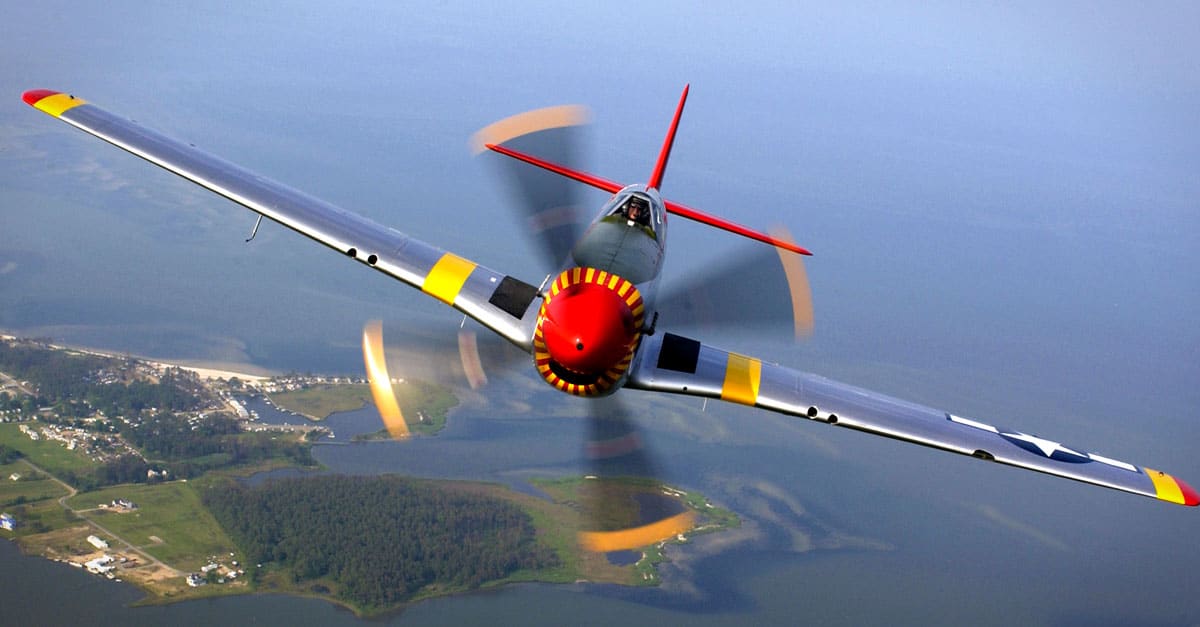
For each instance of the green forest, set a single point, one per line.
(379, 541)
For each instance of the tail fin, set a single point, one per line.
(656, 178)
(660, 168)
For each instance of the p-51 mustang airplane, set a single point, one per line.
(595, 329)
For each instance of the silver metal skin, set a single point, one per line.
(635, 253)
(385, 249)
(814, 397)
(629, 249)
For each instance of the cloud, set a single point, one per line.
(1022, 528)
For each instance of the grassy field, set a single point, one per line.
(415, 397)
(52, 456)
(40, 517)
(558, 525)
(170, 511)
(32, 489)
(622, 512)
(319, 401)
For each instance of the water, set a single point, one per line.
(344, 425)
(1001, 202)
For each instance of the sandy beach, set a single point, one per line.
(207, 370)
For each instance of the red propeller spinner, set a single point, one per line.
(588, 326)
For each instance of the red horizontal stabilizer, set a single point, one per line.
(704, 218)
(582, 177)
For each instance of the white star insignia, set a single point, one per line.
(1046, 446)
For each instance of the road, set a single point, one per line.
(8, 381)
(71, 491)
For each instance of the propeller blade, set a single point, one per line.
(550, 205)
(450, 355)
(624, 506)
(426, 353)
(756, 286)
(380, 382)
(798, 287)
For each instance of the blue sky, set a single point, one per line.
(1001, 197)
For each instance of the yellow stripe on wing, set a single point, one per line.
(447, 277)
(742, 376)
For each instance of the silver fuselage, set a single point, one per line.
(630, 249)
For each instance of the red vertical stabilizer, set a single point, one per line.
(660, 168)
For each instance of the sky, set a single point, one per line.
(1001, 197)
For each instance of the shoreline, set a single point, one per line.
(204, 369)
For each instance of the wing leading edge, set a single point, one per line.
(679, 365)
(499, 302)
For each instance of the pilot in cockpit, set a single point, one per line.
(637, 210)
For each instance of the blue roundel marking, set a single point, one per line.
(1045, 448)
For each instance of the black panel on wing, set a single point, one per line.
(513, 296)
(678, 353)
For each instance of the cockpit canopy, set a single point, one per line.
(636, 209)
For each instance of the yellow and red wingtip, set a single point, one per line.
(32, 96)
(50, 101)
(1189, 495)
(1169, 488)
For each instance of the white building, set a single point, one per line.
(7, 522)
(97, 542)
(239, 409)
(100, 565)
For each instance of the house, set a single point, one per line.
(97, 542)
(100, 565)
(194, 580)
(124, 503)
(16, 476)
(8, 522)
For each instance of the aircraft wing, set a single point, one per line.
(679, 365)
(499, 302)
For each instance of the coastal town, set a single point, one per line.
(65, 434)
